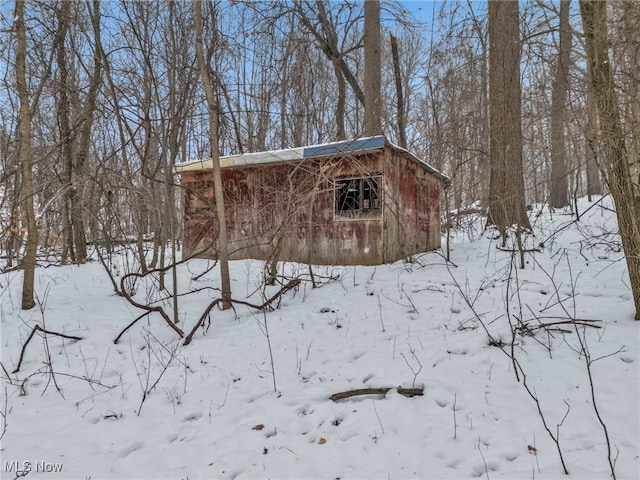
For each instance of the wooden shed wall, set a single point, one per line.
(287, 211)
(284, 211)
(412, 213)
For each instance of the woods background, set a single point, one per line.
(100, 99)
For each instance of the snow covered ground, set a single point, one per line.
(238, 403)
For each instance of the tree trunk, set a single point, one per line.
(402, 135)
(559, 190)
(372, 69)
(506, 184)
(594, 186)
(74, 142)
(29, 262)
(215, 157)
(342, 101)
(84, 143)
(331, 50)
(630, 40)
(484, 157)
(329, 44)
(66, 138)
(614, 158)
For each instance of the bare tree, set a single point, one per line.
(64, 122)
(506, 197)
(402, 134)
(75, 129)
(372, 69)
(329, 42)
(29, 262)
(614, 158)
(626, 60)
(212, 104)
(559, 186)
(594, 186)
(453, 120)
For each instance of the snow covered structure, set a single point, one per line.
(357, 202)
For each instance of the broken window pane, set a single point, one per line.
(357, 194)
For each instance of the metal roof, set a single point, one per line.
(346, 146)
(300, 153)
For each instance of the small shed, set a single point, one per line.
(357, 202)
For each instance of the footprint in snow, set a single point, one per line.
(367, 378)
(134, 447)
(192, 418)
(357, 356)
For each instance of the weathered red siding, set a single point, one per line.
(286, 211)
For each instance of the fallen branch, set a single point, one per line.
(526, 328)
(148, 309)
(407, 392)
(524, 250)
(38, 328)
(292, 284)
(130, 325)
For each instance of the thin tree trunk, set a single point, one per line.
(559, 189)
(215, 157)
(331, 50)
(84, 142)
(372, 69)
(342, 100)
(66, 137)
(136, 206)
(614, 159)
(402, 135)
(329, 44)
(594, 185)
(484, 157)
(29, 263)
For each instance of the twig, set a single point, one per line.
(455, 423)
(147, 308)
(266, 334)
(588, 362)
(38, 328)
(131, 325)
(200, 275)
(380, 309)
(378, 416)
(163, 363)
(519, 371)
(413, 370)
(486, 469)
(4, 412)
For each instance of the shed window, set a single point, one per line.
(357, 194)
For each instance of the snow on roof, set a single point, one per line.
(300, 153)
(257, 158)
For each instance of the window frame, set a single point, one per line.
(361, 212)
